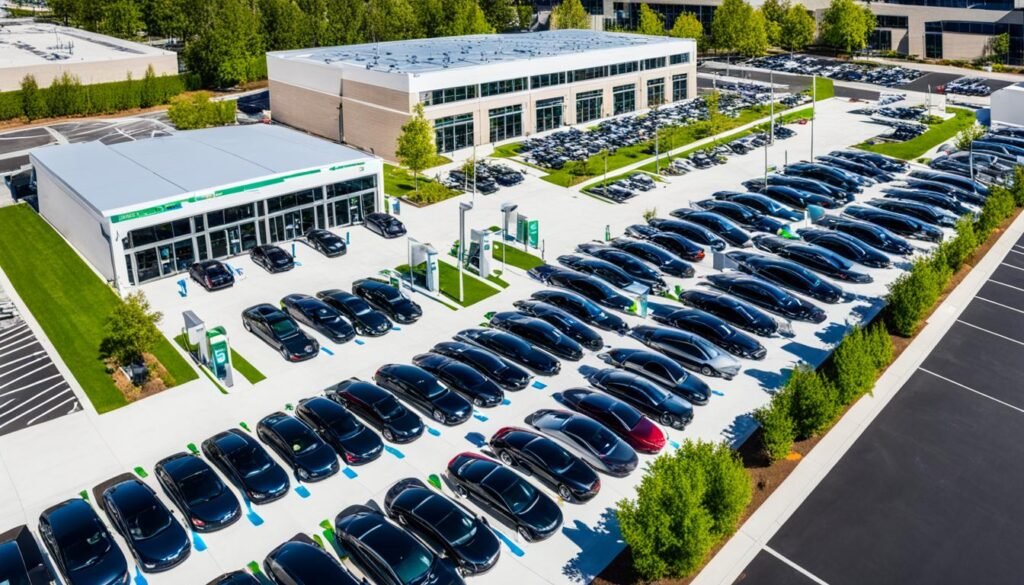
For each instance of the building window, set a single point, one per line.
(886, 21)
(623, 68)
(588, 105)
(590, 73)
(360, 184)
(880, 40)
(679, 59)
(289, 200)
(453, 132)
(655, 63)
(680, 89)
(547, 80)
(448, 95)
(655, 92)
(549, 114)
(933, 40)
(504, 86)
(623, 99)
(506, 122)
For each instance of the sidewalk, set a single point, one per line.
(754, 535)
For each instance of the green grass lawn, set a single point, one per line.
(507, 150)
(239, 363)
(824, 88)
(474, 289)
(70, 303)
(515, 256)
(934, 136)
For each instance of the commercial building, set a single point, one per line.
(138, 211)
(478, 89)
(1008, 106)
(47, 51)
(932, 29)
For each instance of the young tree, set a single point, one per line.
(687, 26)
(227, 43)
(853, 366)
(651, 23)
(282, 25)
(774, 13)
(755, 39)
(463, 17)
(524, 15)
(847, 26)
(734, 25)
(1000, 46)
(500, 14)
(416, 147)
(314, 22)
(777, 428)
(65, 96)
(131, 329)
(163, 18)
(968, 135)
(33, 103)
(814, 401)
(570, 14)
(199, 111)
(798, 28)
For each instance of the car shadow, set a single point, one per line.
(597, 543)
(805, 353)
(740, 429)
(769, 381)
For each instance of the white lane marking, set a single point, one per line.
(1017, 251)
(50, 399)
(29, 385)
(999, 304)
(1006, 285)
(1018, 342)
(27, 374)
(1011, 266)
(12, 330)
(19, 339)
(798, 568)
(32, 421)
(23, 348)
(41, 394)
(969, 389)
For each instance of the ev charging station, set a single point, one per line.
(213, 350)
(480, 251)
(425, 254)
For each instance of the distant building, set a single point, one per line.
(47, 51)
(1008, 106)
(479, 89)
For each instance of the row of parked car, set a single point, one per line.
(976, 86)
(489, 177)
(990, 159)
(888, 76)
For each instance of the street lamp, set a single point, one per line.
(507, 209)
(463, 208)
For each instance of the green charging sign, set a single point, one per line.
(533, 231)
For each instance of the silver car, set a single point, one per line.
(689, 349)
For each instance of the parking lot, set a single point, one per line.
(44, 465)
(929, 492)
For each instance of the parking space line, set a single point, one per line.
(1006, 285)
(32, 421)
(22, 348)
(25, 375)
(51, 399)
(17, 339)
(1018, 342)
(21, 388)
(38, 395)
(11, 331)
(1011, 266)
(795, 566)
(21, 359)
(981, 298)
(969, 389)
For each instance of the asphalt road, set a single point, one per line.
(930, 493)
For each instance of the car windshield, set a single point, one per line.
(249, 460)
(428, 387)
(387, 408)
(518, 496)
(344, 425)
(89, 548)
(148, 522)
(556, 458)
(284, 328)
(201, 487)
(412, 566)
(303, 443)
(357, 306)
(456, 527)
(627, 415)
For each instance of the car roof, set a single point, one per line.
(366, 390)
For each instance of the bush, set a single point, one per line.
(1017, 185)
(998, 206)
(912, 295)
(957, 250)
(199, 111)
(881, 346)
(853, 367)
(814, 401)
(33, 101)
(131, 330)
(684, 505)
(777, 428)
(430, 192)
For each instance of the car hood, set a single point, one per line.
(164, 548)
(581, 475)
(220, 509)
(612, 322)
(365, 442)
(622, 458)
(407, 309)
(374, 321)
(270, 481)
(340, 328)
(299, 344)
(452, 403)
(407, 425)
(111, 569)
(487, 390)
(318, 462)
(544, 515)
(694, 386)
(482, 550)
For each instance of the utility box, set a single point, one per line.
(425, 256)
(480, 251)
(220, 355)
(195, 329)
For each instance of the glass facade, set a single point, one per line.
(170, 248)
(886, 21)
(549, 114)
(505, 122)
(589, 105)
(627, 15)
(504, 86)
(679, 59)
(448, 95)
(623, 99)
(655, 63)
(623, 68)
(655, 92)
(880, 40)
(453, 132)
(590, 73)
(680, 89)
(547, 80)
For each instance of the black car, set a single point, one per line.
(297, 444)
(563, 321)
(378, 407)
(761, 203)
(606, 271)
(512, 347)
(389, 299)
(826, 174)
(387, 554)
(505, 373)
(646, 396)
(272, 258)
(502, 492)
(422, 389)
(21, 559)
(920, 211)
(303, 563)
(211, 275)
(366, 320)
(876, 160)
(873, 235)
(247, 465)
(947, 202)
(154, 537)
(582, 284)
(768, 296)
(679, 245)
(582, 308)
(789, 275)
(384, 225)
(661, 258)
(838, 195)
(689, 349)
(462, 378)
(962, 183)
(719, 224)
(814, 257)
(737, 312)
(547, 461)
(446, 526)
(898, 223)
(629, 264)
(235, 578)
(689, 230)
(968, 197)
(205, 502)
(319, 316)
(847, 246)
(617, 416)
(588, 439)
(280, 332)
(538, 332)
(80, 546)
(714, 329)
(660, 369)
(326, 243)
(745, 216)
(798, 198)
(860, 168)
(349, 438)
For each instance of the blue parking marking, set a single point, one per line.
(480, 417)
(197, 542)
(360, 342)
(434, 431)
(396, 328)
(476, 439)
(717, 393)
(140, 579)
(325, 350)
(675, 445)
(398, 454)
(302, 491)
(349, 473)
(511, 545)
(506, 402)
(254, 518)
(539, 385)
(297, 263)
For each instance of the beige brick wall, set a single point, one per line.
(384, 97)
(967, 47)
(371, 128)
(89, 73)
(305, 109)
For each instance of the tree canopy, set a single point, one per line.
(687, 26)
(736, 26)
(846, 25)
(774, 12)
(798, 28)
(570, 14)
(651, 23)
(416, 148)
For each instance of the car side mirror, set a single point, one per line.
(484, 520)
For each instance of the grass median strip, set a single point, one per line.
(474, 289)
(239, 363)
(935, 135)
(515, 256)
(70, 303)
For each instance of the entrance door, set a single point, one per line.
(146, 265)
(355, 210)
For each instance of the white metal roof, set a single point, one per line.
(129, 174)
(25, 43)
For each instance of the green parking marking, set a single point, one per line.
(244, 426)
(139, 471)
(319, 541)
(84, 494)
(254, 568)
(434, 480)
(192, 448)
(289, 406)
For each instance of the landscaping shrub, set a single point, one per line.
(1017, 185)
(881, 346)
(999, 206)
(430, 192)
(911, 295)
(853, 367)
(814, 401)
(777, 428)
(199, 111)
(10, 105)
(957, 250)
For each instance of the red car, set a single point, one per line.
(620, 418)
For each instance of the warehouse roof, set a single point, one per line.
(25, 43)
(425, 55)
(119, 176)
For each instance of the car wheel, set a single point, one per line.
(706, 370)
(460, 491)
(524, 533)
(564, 492)
(389, 435)
(506, 458)
(438, 415)
(247, 326)
(284, 353)
(666, 419)
(478, 402)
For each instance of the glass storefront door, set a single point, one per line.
(291, 224)
(147, 266)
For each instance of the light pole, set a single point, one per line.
(771, 130)
(507, 209)
(814, 109)
(463, 208)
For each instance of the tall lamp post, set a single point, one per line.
(814, 110)
(463, 208)
(507, 209)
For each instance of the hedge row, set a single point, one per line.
(66, 96)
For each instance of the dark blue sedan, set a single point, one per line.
(206, 503)
(80, 545)
(154, 537)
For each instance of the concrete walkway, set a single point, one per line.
(755, 534)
